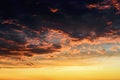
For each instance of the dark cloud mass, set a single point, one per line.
(31, 27)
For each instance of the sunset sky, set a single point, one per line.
(60, 40)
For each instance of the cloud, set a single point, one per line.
(25, 41)
(115, 48)
(73, 30)
(106, 4)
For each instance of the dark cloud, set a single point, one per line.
(42, 51)
(23, 22)
(24, 41)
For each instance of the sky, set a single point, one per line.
(77, 39)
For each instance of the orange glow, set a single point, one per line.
(54, 10)
(116, 4)
(58, 43)
(106, 4)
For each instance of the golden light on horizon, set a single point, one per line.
(105, 70)
(64, 58)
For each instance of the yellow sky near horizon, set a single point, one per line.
(107, 70)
